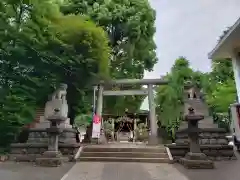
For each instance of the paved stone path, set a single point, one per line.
(24, 171)
(225, 170)
(123, 171)
(117, 171)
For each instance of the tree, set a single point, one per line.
(219, 85)
(221, 70)
(84, 53)
(130, 28)
(40, 48)
(222, 96)
(169, 98)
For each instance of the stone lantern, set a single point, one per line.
(195, 159)
(52, 157)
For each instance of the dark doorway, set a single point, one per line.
(123, 127)
(194, 96)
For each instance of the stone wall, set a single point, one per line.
(30, 151)
(209, 136)
(214, 152)
(39, 135)
(213, 143)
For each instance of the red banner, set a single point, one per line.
(96, 119)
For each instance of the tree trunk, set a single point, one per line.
(72, 101)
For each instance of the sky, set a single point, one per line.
(189, 28)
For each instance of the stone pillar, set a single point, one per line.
(101, 139)
(100, 101)
(52, 157)
(113, 128)
(236, 70)
(193, 136)
(94, 99)
(134, 129)
(53, 140)
(195, 159)
(153, 137)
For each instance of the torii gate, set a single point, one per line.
(153, 139)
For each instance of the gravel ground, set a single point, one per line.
(24, 171)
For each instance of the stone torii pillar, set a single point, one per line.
(96, 129)
(99, 101)
(153, 136)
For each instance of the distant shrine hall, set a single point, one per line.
(123, 128)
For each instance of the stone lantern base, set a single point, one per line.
(50, 159)
(196, 161)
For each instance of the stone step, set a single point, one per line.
(40, 111)
(124, 154)
(202, 125)
(39, 114)
(125, 159)
(117, 149)
(199, 106)
(30, 157)
(206, 121)
(205, 126)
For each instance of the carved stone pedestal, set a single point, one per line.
(50, 159)
(196, 161)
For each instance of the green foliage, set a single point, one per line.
(130, 28)
(16, 111)
(169, 98)
(142, 132)
(108, 128)
(217, 85)
(222, 96)
(83, 120)
(223, 120)
(40, 48)
(220, 90)
(221, 70)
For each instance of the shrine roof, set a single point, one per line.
(228, 43)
